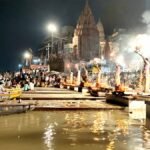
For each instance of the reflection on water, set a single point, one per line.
(48, 136)
(106, 130)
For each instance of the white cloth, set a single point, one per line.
(31, 86)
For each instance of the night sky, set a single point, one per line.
(23, 22)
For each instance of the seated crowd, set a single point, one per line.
(27, 81)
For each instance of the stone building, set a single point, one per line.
(83, 43)
(55, 56)
(57, 51)
(86, 36)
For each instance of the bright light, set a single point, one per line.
(102, 57)
(19, 65)
(76, 66)
(36, 60)
(68, 65)
(142, 43)
(27, 55)
(112, 54)
(91, 62)
(52, 27)
(97, 60)
(120, 61)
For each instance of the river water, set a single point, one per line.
(74, 130)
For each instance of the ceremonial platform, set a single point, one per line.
(64, 99)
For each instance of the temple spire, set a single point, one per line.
(101, 30)
(86, 17)
(87, 9)
(87, 3)
(86, 35)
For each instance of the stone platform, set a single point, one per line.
(57, 94)
(64, 99)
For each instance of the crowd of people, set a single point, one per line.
(27, 80)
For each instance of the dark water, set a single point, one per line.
(87, 130)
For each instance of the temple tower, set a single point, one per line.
(100, 28)
(86, 36)
(102, 41)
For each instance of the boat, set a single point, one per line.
(10, 94)
(15, 108)
(9, 106)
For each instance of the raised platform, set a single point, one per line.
(124, 100)
(138, 103)
(57, 94)
(117, 99)
(65, 99)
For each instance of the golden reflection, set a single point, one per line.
(111, 145)
(76, 121)
(123, 126)
(108, 130)
(98, 123)
(49, 136)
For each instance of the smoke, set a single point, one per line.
(146, 17)
(125, 55)
(129, 39)
(146, 20)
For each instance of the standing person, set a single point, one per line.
(145, 71)
(146, 74)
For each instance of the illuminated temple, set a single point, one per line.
(86, 36)
(84, 43)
